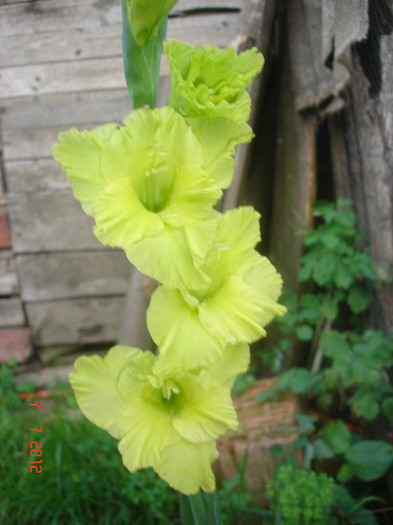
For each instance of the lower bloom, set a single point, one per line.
(168, 421)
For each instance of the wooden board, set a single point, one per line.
(99, 42)
(32, 176)
(50, 221)
(66, 275)
(8, 278)
(57, 15)
(11, 313)
(75, 321)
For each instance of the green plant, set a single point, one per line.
(300, 496)
(348, 359)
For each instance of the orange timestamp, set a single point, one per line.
(36, 448)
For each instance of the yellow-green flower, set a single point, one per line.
(165, 421)
(150, 188)
(193, 328)
(211, 82)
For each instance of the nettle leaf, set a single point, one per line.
(369, 460)
(343, 278)
(304, 332)
(306, 423)
(358, 299)
(305, 272)
(324, 271)
(329, 308)
(321, 450)
(346, 217)
(334, 346)
(336, 436)
(329, 239)
(298, 380)
(364, 404)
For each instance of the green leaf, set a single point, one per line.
(324, 271)
(277, 451)
(304, 332)
(321, 450)
(343, 278)
(306, 423)
(265, 395)
(298, 380)
(329, 308)
(358, 299)
(387, 407)
(365, 405)
(336, 436)
(345, 473)
(369, 460)
(334, 346)
(346, 217)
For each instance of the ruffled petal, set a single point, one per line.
(236, 236)
(232, 313)
(145, 428)
(192, 196)
(175, 256)
(266, 284)
(80, 152)
(206, 416)
(233, 361)
(121, 218)
(219, 137)
(178, 332)
(186, 467)
(96, 389)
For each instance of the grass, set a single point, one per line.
(83, 480)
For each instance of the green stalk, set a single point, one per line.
(200, 509)
(141, 65)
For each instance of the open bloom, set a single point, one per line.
(150, 188)
(211, 82)
(193, 327)
(165, 421)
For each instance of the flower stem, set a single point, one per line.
(200, 509)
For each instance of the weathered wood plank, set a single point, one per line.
(50, 221)
(68, 275)
(55, 15)
(71, 109)
(30, 144)
(31, 176)
(41, 79)
(8, 278)
(99, 42)
(60, 46)
(106, 72)
(75, 321)
(11, 312)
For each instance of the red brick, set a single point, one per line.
(15, 344)
(5, 238)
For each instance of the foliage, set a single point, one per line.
(303, 497)
(83, 479)
(354, 356)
